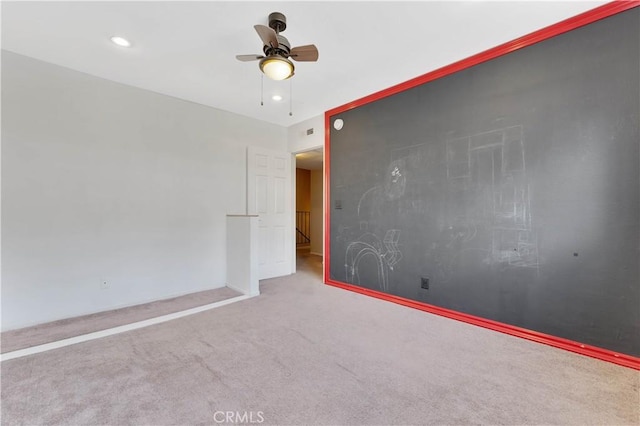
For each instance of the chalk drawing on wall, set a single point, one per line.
(384, 254)
(392, 188)
(369, 251)
(395, 180)
(458, 158)
(482, 218)
(453, 242)
(366, 201)
(488, 172)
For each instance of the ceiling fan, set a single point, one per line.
(275, 62)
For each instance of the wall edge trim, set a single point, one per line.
(550, 31)
(535, 336)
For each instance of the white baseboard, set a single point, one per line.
(117, 330)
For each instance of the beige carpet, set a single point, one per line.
(71, 327)
(305, 353)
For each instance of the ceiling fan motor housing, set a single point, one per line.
(284, 47)
(277, 21)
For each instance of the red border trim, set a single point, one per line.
(547, 339)
(327, 199)
(583, 19)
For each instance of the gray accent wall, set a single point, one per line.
(508, 190)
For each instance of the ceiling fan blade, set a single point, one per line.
(247, 58)
(268, 35)
(305, 53)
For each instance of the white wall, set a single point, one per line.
(299, 141)
(303, 190)
(317, 213)
(102, 181)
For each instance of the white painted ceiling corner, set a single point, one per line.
(187, 49)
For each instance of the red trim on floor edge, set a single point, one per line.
(558, 342)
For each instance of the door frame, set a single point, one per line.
(293, 201)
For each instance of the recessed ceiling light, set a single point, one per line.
(276, 97)
(120, 41)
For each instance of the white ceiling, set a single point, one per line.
(310, 160)
(187, 49)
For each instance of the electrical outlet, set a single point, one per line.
(104, 284)
(424, 283)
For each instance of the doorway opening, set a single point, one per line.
(309, 211)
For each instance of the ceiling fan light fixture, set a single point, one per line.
(276, 67)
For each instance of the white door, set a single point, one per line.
(269, 196)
